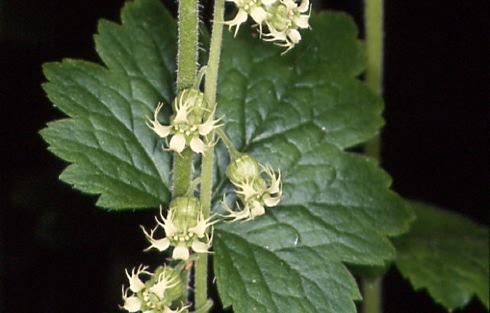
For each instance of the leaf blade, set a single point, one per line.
(108, 109)
(446, 254)
(298, 113)
(320, 82)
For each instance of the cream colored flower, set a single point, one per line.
(283, 18)
(185, 228)
(187, 126)
(156, 294)
(164, 282)
(135, 283)
(132, 303)
(284, 21)
(256, 189)
(257, 9)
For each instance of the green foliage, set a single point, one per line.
(298, 112)
(112, 151)
(448, 255)
(311, 85)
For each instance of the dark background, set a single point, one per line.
(58, 253)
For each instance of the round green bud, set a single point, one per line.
(279, 17)
(243, 168)
(186, 211)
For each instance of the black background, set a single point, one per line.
(58, 253)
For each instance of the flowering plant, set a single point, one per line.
(271, 128)
(187, 125)
(283, 18)
(185, 227)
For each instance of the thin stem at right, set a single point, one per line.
(372, 296)
(373, 10)
(211, 82)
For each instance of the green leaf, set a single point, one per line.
(311, 84)
(446, 254)
(111, 150)
(298, 112)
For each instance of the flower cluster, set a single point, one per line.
(185, 228)
(187, 125)
(253, 189)
(283, 18)
(157, 295)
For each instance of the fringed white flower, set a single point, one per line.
(187, 128)
(131, 303)
(283, 18)
(257, 9)
(156, 294)
(255, 188)
(135, 283)
(185, 228)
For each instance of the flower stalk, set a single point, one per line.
(187, 57)
(187, 223)
(210, 86)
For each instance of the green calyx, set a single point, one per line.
(186, 212)
(175, 289)
(194, 102)
(279, 16)
(243, 168)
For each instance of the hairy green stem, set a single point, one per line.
(373, 11)
(188, 43)
(187, 53)
(207, 159)
(186, 75)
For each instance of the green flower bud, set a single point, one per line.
(186, 211)
(279, 17)
(185, 228)
(244, 168)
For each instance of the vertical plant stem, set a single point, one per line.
(373, 16)
(182, 172)
(207, 159)
(188, 43)
(186, 74)
(372, 296)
